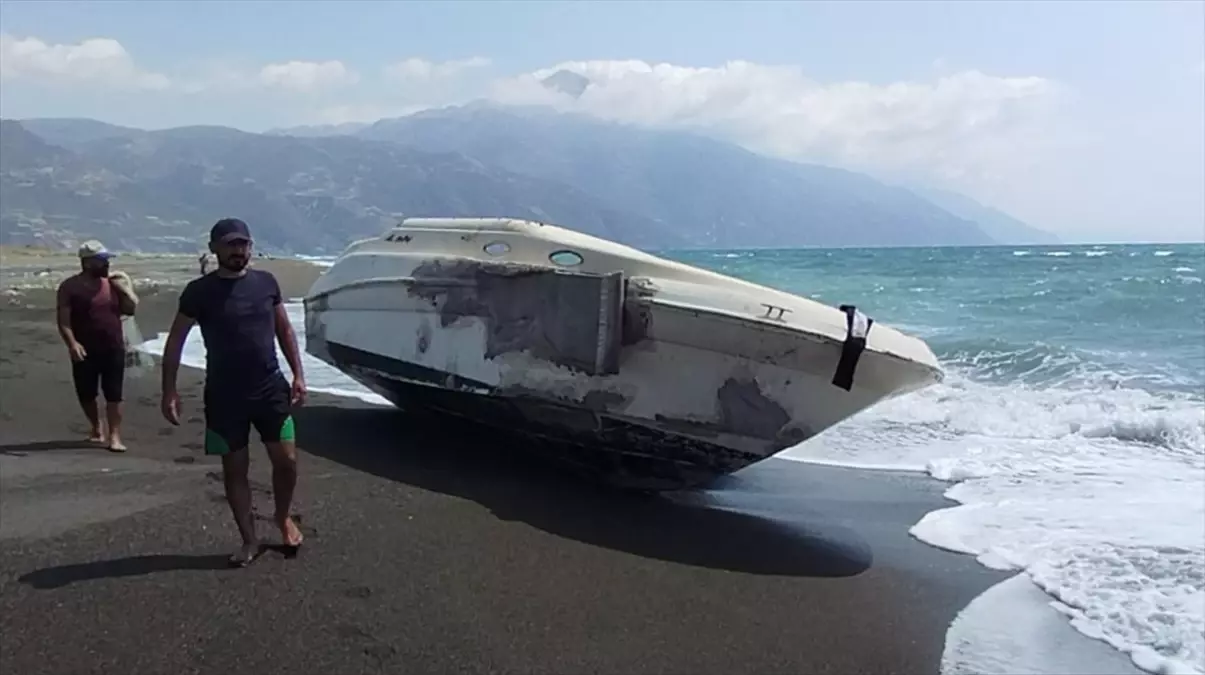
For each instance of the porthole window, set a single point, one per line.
(496, 247)
(565, 258)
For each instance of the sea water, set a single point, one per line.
(1071, 426)
(1071, 421)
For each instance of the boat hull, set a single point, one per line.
(641, 372)
(622, 453)
(674, 398)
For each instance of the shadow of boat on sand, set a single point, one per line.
(691, 528)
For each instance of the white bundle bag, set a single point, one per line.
(138, 362)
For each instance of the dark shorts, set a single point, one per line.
(229, 418)
(101, 370)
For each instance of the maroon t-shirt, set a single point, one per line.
(95, 312)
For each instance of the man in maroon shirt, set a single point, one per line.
(89, 318)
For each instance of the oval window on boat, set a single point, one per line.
(496, 247)
(566, 258)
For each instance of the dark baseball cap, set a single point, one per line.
(229, 229)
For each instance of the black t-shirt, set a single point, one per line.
(238, 325)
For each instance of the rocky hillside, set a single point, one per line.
(317, 189)
(998, 225)
(710, 193)
(162, 190)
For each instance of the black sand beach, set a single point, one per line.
(431, 550)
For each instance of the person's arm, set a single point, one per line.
(186, 316)
(288, 343)
(63, 318)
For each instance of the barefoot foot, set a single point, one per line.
(290, 534)
(246, 555)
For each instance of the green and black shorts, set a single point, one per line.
(229, 418)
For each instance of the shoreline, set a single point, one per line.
(809, 564)
(23, 270)
(437, 551)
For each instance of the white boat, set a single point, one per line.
(642, 372)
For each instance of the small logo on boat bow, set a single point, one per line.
(770, 312)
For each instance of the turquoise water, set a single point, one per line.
(1094, 315)
(1071, 422)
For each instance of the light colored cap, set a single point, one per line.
(94, 249)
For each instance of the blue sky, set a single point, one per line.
(1084, 118)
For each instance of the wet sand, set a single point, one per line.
(432, 549)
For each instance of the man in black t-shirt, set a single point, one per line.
(242, 317)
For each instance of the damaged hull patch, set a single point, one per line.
(567, 318)
(601, 447)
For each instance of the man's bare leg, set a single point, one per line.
(235, 466)
(284, 483)
(92, 412)
(113, 417)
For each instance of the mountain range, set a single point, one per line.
(315, 189)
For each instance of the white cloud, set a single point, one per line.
(106, 62)
(988, 135)
(307, 76)
(101, 61)
(416, 69)
(960, 125)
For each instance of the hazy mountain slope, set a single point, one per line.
(999, 225)
(47, 190)
(314, 130)
(163, 189)
(713, 193)
(70, 132)
(318, 188)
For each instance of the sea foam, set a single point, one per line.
(1096, 494)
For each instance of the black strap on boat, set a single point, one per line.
(857, 327)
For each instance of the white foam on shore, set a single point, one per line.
(319, 376)
(1097, 494)
(318, 260)
(864, 466)
(1012, 628)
